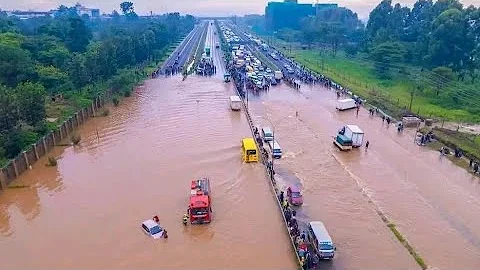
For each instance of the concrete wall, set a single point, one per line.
(24, 160)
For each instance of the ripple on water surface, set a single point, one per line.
(138, 162)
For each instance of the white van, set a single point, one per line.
(321, 240)
(267, 134)
(235, 103)
(346, 104)
(275, 148)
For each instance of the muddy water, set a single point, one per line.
(138, 162)
(434, 203)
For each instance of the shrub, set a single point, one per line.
(116, 101)
(52, 161)
(127, 93)
(76, 138)
(106, 112)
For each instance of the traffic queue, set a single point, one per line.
(311, 240)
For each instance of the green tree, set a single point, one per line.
(31, 102)
(448, 42)
(386, 54)
(52, 78)
(77, 70)
(126, 7)
(79, 35)
(9, 115)
(15, 65)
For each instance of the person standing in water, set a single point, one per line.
(366, 146)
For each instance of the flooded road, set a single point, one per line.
(435, 204)
(138, 162)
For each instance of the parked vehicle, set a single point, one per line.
(278, 75)
(267, 134)
(275, 148)
(294, 196)
(235, 103)
(346, 104)
(321, 240)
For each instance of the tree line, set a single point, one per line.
(73, 58)
(434, 44)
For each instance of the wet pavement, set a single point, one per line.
(435, 204)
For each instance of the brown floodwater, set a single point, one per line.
(139, 162)
(435, 204)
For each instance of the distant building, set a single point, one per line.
(81, 10)
(288, 14)
(24, 15)
(91, 12)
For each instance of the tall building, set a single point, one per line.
(91, 12)
(289, 13)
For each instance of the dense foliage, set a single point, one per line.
(72, 59)
(440, 34)
(433, 48)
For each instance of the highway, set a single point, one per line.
(280, 63)
(184, 50)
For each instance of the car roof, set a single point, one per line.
(320, 231)
(150, 223)
(275, 144)
(294, 189)
(235, 98)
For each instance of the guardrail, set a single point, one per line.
(271, 181)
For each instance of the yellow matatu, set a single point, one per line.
(249, 150)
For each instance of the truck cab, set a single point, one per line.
(200, 208)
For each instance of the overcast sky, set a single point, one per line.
(195, 7)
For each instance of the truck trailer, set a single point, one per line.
(235, 103)
(346, 104)
(348, 137)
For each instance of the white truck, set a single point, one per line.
(278, 75)
(353, 133)
(235, 103)
(345, 104)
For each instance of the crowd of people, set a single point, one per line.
(206, 68)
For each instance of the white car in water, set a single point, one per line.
(152, 229)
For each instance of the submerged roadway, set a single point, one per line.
(429, 199)
(136, 163)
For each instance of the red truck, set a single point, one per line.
(200, 209)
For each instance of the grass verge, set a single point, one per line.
(469, 143)
(407, 245)
(393, 95)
